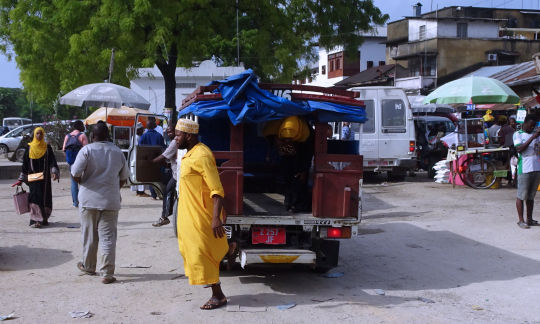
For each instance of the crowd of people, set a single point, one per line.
(98, 172)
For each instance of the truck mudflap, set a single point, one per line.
(250, 256)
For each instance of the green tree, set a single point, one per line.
(14, 103)
(62, 44)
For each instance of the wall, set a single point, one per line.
(398, 30)
(372, 50)
(414, 29)
(476, 29)
(455, 54)
(151, 86)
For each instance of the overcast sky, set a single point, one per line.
(9, 74)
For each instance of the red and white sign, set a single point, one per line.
(268, 235)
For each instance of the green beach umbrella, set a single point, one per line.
(473, 90)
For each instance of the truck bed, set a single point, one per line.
(268, 209)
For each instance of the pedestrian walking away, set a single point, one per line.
(101, 170)
(527, 145)
(201, 236)
(73, 142)
(38, 169)
(169, 197)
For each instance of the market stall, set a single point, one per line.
(471, 160)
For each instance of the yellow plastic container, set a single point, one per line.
(497, 183)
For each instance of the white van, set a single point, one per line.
(387, 139)
(13, 122)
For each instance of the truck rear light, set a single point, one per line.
(339, 232)
(412, 145)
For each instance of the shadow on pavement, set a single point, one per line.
(406, 257)
(395, 256)
(21, 257)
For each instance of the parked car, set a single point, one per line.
(14, 122)
(10, 141)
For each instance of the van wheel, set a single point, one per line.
(396, 175)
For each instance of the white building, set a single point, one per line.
(151, 86)
(334, 67)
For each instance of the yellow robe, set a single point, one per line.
(199, 181)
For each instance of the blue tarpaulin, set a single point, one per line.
(243, 101)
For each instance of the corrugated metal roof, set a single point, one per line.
(515, 72)
(488, 71)
(509, 74)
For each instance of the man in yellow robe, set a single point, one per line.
(201, 236)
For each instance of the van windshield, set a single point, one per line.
(12, 122)
(393, 113)
(369, 125)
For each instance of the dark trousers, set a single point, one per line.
(169, 198)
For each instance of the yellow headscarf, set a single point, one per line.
(37, 148)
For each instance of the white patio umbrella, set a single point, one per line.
(108, 95)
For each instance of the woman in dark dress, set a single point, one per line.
(39, 157)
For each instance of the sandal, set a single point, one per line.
(214, 303)
(35, 225)
(523, 225)
(161, 221)
(532, 222)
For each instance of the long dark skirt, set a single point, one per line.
(40, 199)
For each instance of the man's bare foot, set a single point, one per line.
(214, 303)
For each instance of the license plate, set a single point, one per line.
(268, 235)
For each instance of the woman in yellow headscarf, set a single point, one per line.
(38, 169)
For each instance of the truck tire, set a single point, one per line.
(327, 254)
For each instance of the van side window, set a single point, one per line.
(393, 113)
(369, 125)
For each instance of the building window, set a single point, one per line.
(323, 69)
(369, 64)
(422, 32)
(462, 30)
(338, 63)
(332, 66)
(382, 63)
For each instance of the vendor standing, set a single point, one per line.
(527, 145)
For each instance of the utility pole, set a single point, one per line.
(237, 38)
(111, 66)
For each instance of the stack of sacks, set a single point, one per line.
(443, 172)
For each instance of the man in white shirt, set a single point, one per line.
(169, 197)
(527, 145)
(101, 170)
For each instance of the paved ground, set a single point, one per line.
(439, 255)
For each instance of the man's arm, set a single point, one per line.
(217, 224)
(522, 147)
(124, 172)
(159, 159)
(79, 165)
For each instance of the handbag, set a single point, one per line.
(20, 199)
(35, 176)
